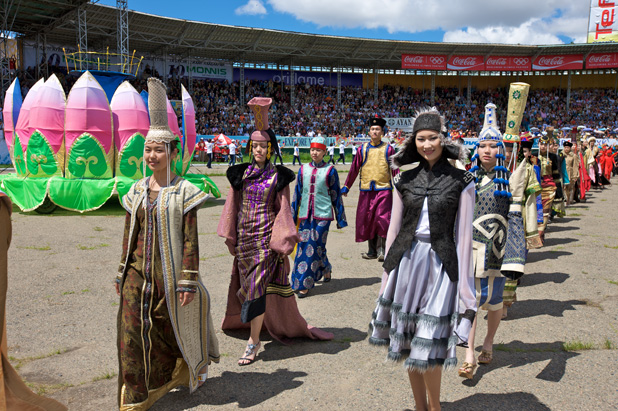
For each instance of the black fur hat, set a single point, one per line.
(427, 119)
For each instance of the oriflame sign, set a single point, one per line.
(423, 62)
(508, 63)
(602, 60)
(466, 63)
(559, 62)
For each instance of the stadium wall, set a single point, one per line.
(537, 80)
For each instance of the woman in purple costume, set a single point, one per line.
(259, 231)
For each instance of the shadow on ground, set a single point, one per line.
(340, 284)
(510, 401)
(275, 351)
(537, 256)
(533, 308)
(552, 241)
(530, 280)
(246, 389)
(518, 354)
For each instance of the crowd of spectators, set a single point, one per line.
(315, 109)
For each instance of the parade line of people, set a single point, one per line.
(452, 232)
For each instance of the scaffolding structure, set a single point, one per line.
(122, 46)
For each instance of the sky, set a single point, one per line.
(536, 22)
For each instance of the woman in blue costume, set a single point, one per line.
(316, 195)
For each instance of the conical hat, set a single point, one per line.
(490, 129)
(159, 131)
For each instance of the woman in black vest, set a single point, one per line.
(428, 265)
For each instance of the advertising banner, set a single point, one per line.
(399, 123)
(319, 78)
(464, 63)
(559, 62)
(508, 63)
(200, 70)
(602, 26)
(602, 60)
(423, 62)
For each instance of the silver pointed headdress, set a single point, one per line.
(159, 131)
(491, 132)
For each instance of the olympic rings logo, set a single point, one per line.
(521, 61)
(436, 60)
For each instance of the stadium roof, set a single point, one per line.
(35, 16)
(156, 36)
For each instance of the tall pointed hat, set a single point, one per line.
(159, 131)
(491, 132)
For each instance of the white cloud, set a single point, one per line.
(522, 21)
(253, 7)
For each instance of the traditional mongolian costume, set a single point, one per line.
(14, 394)
(571, 163)
(532, 202)
(551, 186)
(499, 239)
(161, 344)
(259, 230)
(375, 200)
(427, 302)
(584, 179)
(317, 202)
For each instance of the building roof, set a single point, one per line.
(37, 16)
(156, 36)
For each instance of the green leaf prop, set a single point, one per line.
(18, 158)
(131, 158)
(87, 159)
(40, 157)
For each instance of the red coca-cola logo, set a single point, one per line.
(551, 61)
(604, 58)
(436, 60)
(465, 61)
(497, 61)
(414, 59)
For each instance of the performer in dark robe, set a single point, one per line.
(373, 213)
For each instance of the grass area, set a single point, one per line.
(575, 214)
(612, 282)
(612, 247)
(20, 362)
(577, 345)
(93, 247)
(43, 389)
(608, 345)
(38, 248)
(213, 256)
(98, 228)
(106, 376)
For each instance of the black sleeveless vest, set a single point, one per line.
(442, 185)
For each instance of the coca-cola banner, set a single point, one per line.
(466, 63)
(423, 62)
(559, 62)
(602, 60)
(508, 63)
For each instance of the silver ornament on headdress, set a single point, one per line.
(490, 132)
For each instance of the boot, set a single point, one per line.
(371, 254)
(381, 247)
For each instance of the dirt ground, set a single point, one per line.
(555, 351)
